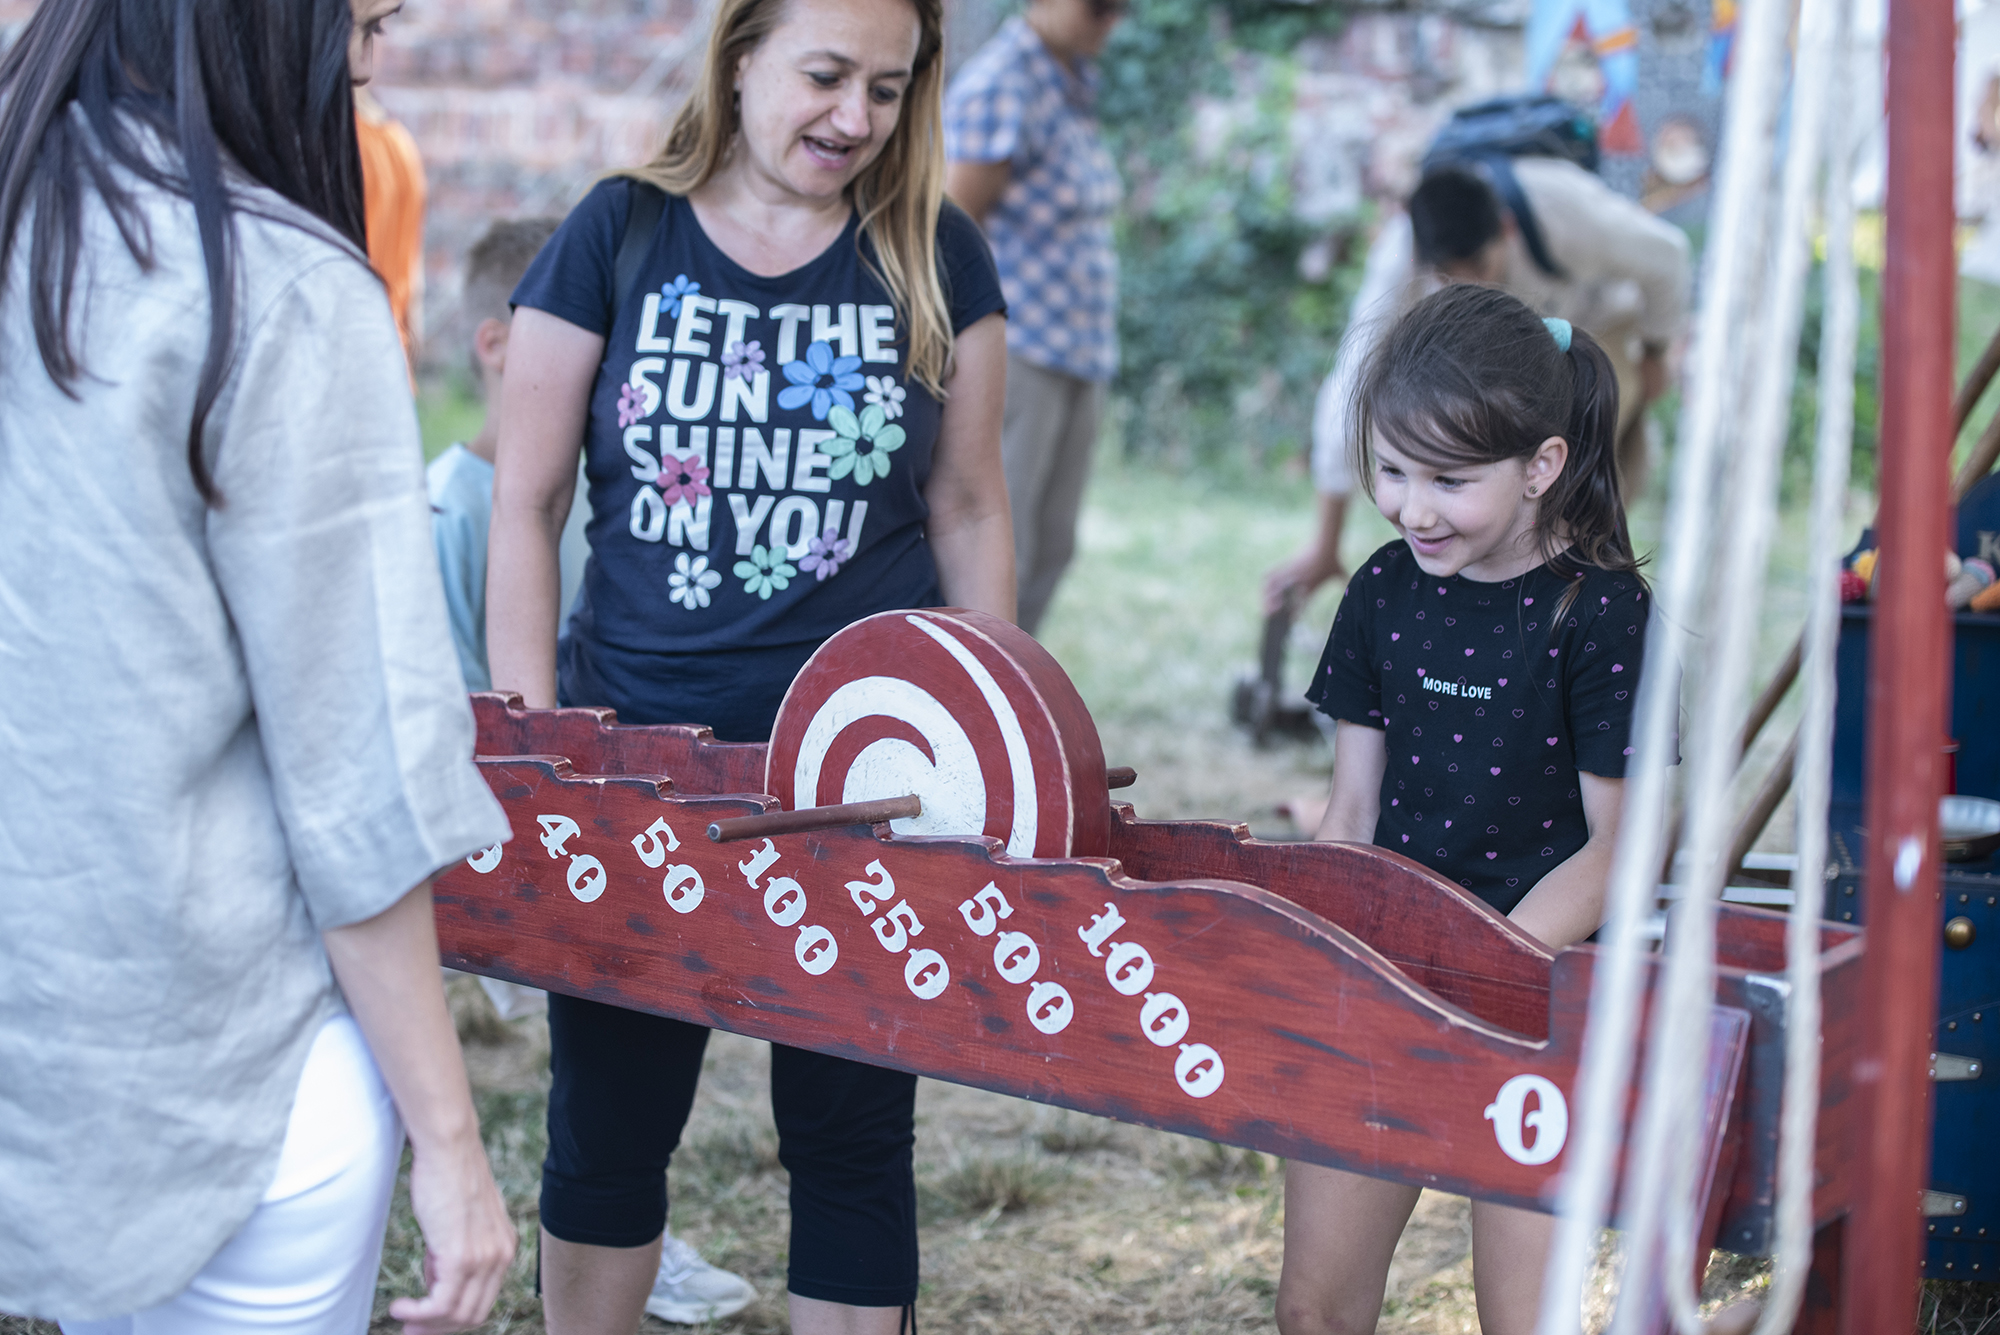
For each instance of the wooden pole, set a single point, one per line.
(770, 823)
(1907, 681)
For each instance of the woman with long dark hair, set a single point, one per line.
(790, 418)
(234, 736)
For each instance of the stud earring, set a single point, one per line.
(1534, 491)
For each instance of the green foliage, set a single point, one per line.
(1800, 442)
(1223, 341)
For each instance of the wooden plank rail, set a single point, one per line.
(1204, 1007)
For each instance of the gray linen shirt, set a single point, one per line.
(225, 731)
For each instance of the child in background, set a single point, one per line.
(461, 478)
(1486, 437)
(687, 1289)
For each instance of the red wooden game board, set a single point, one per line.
(1335, 1003)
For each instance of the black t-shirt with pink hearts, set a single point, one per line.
(1489, 709)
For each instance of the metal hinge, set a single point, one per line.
(1945, 1066)
(1943, 1203)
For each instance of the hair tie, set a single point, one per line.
(1559, 330)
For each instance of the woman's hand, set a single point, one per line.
(544, 407)
(468, 1239)
(387, 967)
(971, 529)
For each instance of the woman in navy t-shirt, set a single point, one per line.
(791, 420)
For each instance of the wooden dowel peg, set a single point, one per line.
(1120, 776)
(815, 818)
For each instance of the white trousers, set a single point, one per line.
(305, 1262)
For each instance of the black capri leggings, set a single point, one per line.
(623, 1083)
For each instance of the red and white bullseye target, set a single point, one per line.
(961, 708)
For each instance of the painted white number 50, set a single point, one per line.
(655, 842)
(1511, 1119)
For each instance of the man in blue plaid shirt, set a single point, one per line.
(1028, 162)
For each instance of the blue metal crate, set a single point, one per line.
(1964, 1165)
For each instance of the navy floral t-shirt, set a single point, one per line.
(756, 455)
(1489, 709)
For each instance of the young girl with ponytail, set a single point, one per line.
(1482, 672)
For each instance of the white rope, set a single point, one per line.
(1610, 1039)
(1662, 1173)
(1793, 1213)
(1677, 1065)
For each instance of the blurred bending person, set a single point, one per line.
(1027, 161)
(237, 739)
(1619, 272)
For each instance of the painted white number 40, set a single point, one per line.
(586, 873)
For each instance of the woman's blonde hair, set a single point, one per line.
(898, 196)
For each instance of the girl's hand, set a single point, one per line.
(1567, 905)
(1360, 759)
(468, 1239)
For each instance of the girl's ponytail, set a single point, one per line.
(1584, 505)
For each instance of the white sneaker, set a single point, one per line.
(688, 1290)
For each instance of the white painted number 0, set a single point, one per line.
(927, 974)
(586, 877)
(1049, 1007)
(1512, 1121)
(683, 888)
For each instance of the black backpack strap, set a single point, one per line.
(648, 202)
(1500, 171)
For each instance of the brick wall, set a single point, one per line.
(518, 105)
